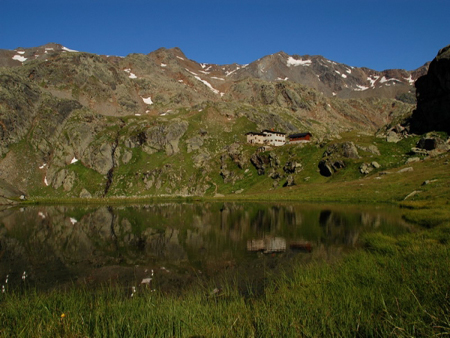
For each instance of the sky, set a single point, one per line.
(378, 34)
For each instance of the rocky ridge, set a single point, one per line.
(79, 124)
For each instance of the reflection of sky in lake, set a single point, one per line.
(67, 244)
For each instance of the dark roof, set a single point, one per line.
(273, 131)
(254, 133)
(299, 135)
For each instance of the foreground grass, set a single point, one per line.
(390, 287)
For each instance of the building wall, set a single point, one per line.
(304, 139)
(275, 139)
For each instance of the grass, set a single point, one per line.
(392, 286)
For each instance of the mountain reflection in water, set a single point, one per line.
(178, 242)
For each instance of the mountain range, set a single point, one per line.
(72, 121)
(326, 76)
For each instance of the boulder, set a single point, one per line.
(431, 141)
(260, 161)
(412, 160)
(332, 157)
(393, 137)
(365, 168)
(327, 167)
(292, 167)
(289, 182)
(376, 165)
(346, 149)
(85, 194)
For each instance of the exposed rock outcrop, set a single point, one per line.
(332, 160)
(433, 96)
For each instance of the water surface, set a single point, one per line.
(175, 244)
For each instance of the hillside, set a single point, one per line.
(76, 124)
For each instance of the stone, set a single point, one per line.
(365, 168)
(328, 167)
(428, 182)
(392, 137)
(412, 160)
(127, 156)
(292, 167)
(85, 194)
(290, 181)
(405, 170)
(415, 192)
(376, 165)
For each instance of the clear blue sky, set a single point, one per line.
(378, 34)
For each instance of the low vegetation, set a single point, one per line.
(393, 286)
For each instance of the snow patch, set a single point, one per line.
(45, 181)
(384, 79)
(372, 79)
(132, 75)
(43, 166)
(69, 50)
(410, 80)
(163, 65)
(360, 88)
(147, 100)
(73, 220)
(206, 83)
(293, 62)
(217, 78)
(344, 76)
(21, 52)
(19, 58)
(280, 79)
(74, 160)
(179, 57)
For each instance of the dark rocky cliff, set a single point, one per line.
(433, 96)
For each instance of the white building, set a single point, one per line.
(268, 137)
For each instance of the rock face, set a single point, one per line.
(433, 96)
(88, 125)
(332, 160)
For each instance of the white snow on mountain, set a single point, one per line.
(410, 80)
(132, 75)
(69, 50)
(206, 83)
(361, 88)
(293, 62)
(147, 100)
(372, 79)
(19, 58)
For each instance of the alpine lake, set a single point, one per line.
(169, 247)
